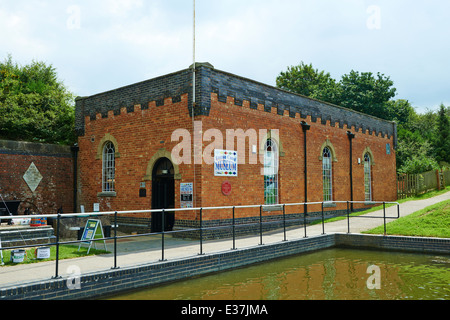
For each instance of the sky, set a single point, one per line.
(100, 45)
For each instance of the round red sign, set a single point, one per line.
(226, 188)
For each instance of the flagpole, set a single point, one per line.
(193, 107)
(193, 64)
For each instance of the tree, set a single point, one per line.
(441, 139)
(423, 139)
(366, 93)
(34, 104)
(400, 111)
(418, 164)
(423, 124)
(362, 92)
(414, 152)
(305, 80)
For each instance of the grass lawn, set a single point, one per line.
(433, 221)
(380, 207)
(65, 252)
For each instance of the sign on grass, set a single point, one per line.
(92, 230)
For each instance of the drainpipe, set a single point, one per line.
(351, 136)
(305, 128)
(75, 148)
(194, 185)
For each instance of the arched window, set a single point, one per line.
(270, 172)
(109, 167)
(367, 178)
(327, 175)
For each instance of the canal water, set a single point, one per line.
(331, 274)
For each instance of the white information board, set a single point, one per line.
(225, 163)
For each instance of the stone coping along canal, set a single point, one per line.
(107, 282)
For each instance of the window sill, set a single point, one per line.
(107, 194)
(273, 208)
(369, 203)
(329, 204)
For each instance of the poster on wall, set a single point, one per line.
(186, 194)
(225, 163)
(270, 163)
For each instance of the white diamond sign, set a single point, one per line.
(32, 177)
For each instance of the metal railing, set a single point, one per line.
(282, 218)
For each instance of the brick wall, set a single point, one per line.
(247, 188)
(140, 135)
(55, 165)
(141, 118)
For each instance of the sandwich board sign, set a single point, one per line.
(93, 230)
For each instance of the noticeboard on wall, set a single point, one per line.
(186, 195)
(225, 163)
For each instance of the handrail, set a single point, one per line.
(189, 209)
(233, 225)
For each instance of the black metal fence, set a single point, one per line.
(282, 221)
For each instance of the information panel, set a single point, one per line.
(186, 194)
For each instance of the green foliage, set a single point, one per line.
(441, 140)
(418, 164)
(399, 111)
(414, 152)
(424, 142)
(423, 139)
(65, 252)
(34, 104)
(362, 92)
(310, 82)
(366, 93)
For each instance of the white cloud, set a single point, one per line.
(17, 34)
(118, 42)
(121, 7)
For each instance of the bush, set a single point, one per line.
(418, 164)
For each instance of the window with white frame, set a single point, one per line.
(109, 167)
(367, 178)
(270, 172)
(327, 175)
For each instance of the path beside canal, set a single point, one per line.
(146, 250)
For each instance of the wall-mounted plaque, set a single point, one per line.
(32, 177)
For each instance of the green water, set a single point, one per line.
(333, 274)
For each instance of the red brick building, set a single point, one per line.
(141, 148)
(36, 176)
